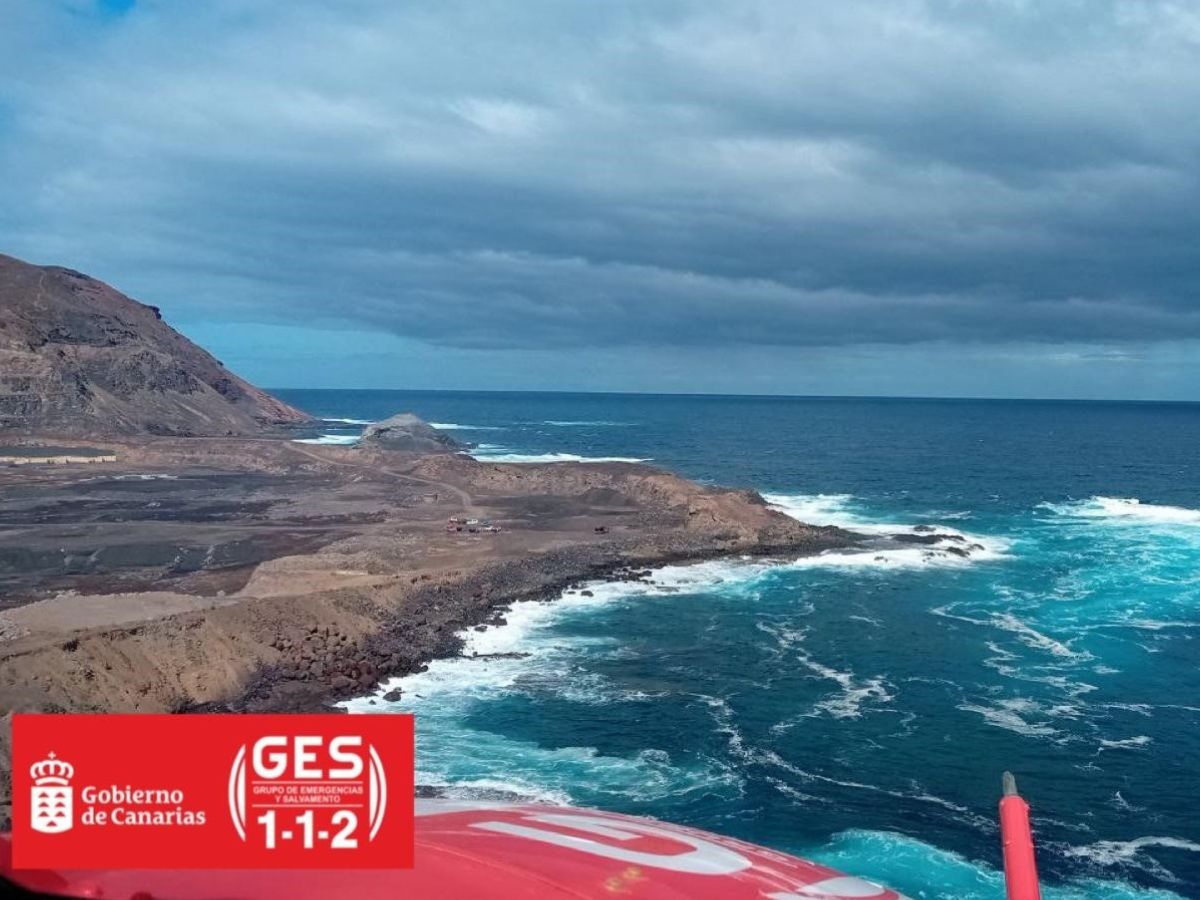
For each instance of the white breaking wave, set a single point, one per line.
(845, 704)
(482, 789)
(1149, 624)
(349, 421)
(502, 455)
(524, 621)
(763, 756)
(838, 510)
(927, 870)
(525, 657)
(343, 440)
(905, 558)
(1116, 851)
(1126, 744)
(848, 704)
(454, 426)
(1011, 716)
(1126, 510)
(585, 424)
(817, 509)
(1132, 853)
(1031, 637)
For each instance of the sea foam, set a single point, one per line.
(486, 453)
(1125, 510)
(342, 440)
(526, 658)
(841, 510)
(924, 870)
(1133, 854)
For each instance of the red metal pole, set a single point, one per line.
(1020, 867)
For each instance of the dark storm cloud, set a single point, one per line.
(557, 174)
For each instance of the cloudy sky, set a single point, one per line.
(924, 197)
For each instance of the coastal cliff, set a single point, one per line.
(79, 358)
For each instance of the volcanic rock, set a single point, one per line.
(408, 433)
(78, 357)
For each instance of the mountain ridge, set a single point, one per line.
(79, 357)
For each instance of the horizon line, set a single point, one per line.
(745, 396)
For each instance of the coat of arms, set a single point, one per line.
(50, 801)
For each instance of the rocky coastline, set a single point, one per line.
(264, 575)
(320, 665)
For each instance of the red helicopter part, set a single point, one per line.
(488, 851)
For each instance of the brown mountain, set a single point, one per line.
(77, 357)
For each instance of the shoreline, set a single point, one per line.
(332, 570)
(432, 629)
(262, 575)
(412, 638)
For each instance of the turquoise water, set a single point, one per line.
(859, 708)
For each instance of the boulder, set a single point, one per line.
(410, 434)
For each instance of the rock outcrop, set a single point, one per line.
(78, 357)
(408, 433)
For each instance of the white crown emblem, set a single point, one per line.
(52, 771)
(51, 796)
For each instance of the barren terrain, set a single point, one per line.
(266, 574)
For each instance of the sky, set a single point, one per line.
(910, 197)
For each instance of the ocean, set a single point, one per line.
(859, 708)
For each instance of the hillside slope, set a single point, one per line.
(78, 357)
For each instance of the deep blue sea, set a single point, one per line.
(859, 708)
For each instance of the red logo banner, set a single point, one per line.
(212, 791)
